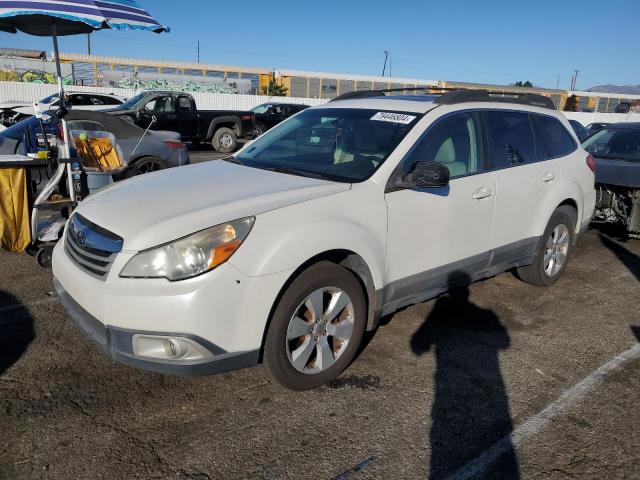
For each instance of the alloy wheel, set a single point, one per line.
(319, 330)
(556, 250)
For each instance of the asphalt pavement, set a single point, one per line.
(503, 380)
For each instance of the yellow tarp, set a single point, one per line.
(15, 229)
(98, 153)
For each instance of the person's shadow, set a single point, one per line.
(470, 410)
(16, 330)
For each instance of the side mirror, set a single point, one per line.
(427, 175)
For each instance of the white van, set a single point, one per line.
(288, 251)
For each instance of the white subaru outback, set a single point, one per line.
(290, 250)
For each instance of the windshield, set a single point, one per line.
(50, 98)
(340, 144)
(615, 143)
(132, 102)
(261, 108)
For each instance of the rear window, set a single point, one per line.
(556, 140)
(511, 138)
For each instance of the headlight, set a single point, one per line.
(192, 255)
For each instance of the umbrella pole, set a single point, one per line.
(66, 151)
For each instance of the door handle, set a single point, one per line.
(548, 176)
(483, 192)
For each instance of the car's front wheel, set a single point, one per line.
(553, 250)
(316, 328)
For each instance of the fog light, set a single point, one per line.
(175, 348)
(162, 347)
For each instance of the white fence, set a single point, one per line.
(585, 118)
(31, 92)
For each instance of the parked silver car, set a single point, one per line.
(141, 153)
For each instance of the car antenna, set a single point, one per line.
(153, 120)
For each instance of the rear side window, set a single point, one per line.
(511, 138)
(557, 141)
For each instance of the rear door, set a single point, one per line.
(436, 234)
(527, 179)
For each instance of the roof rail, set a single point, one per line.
(523, 98)
(382, 91)
(452, 95)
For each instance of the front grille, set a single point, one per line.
(91, 247)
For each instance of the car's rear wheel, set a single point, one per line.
(224, 140)
(145, 165)
(260, 129)
(554, 250)
(316, 328)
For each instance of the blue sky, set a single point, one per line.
(492, 41)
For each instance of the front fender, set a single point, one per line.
(228, 120)
(286, 238)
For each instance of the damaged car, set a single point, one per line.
(616, 150)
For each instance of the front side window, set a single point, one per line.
(511, 138)
(556, 140)
(453, 141)
(160, 105)
(78, 100)
(340, 144)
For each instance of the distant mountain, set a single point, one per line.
(624, 89)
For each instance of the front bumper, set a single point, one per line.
(118, 343)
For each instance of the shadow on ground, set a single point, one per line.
(16, 330)
(470, 410)
(628, 259)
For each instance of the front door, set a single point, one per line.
(439, 236)
(187, 117)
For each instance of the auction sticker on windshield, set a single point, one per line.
(393, 117)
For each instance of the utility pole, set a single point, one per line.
(384, 67)
(198, 51)
(558, 83)
(88, 44)
(574, 79)
(389, 66)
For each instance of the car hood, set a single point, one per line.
(159, 207)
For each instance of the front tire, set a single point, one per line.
(554, 250)
(224, 140)
(316, 327)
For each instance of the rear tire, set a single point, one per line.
(43, 256)
(316, 328)
(145, 165)
(224, 140)
(260, 129)
(554, 249)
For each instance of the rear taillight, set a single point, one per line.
(175, 145)
(246, 117)
(591, 163)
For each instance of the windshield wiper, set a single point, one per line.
(232, 159)
(295, 171)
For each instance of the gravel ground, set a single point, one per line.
(439, 385)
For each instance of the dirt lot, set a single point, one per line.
(510, 381)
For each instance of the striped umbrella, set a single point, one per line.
(72, 17)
